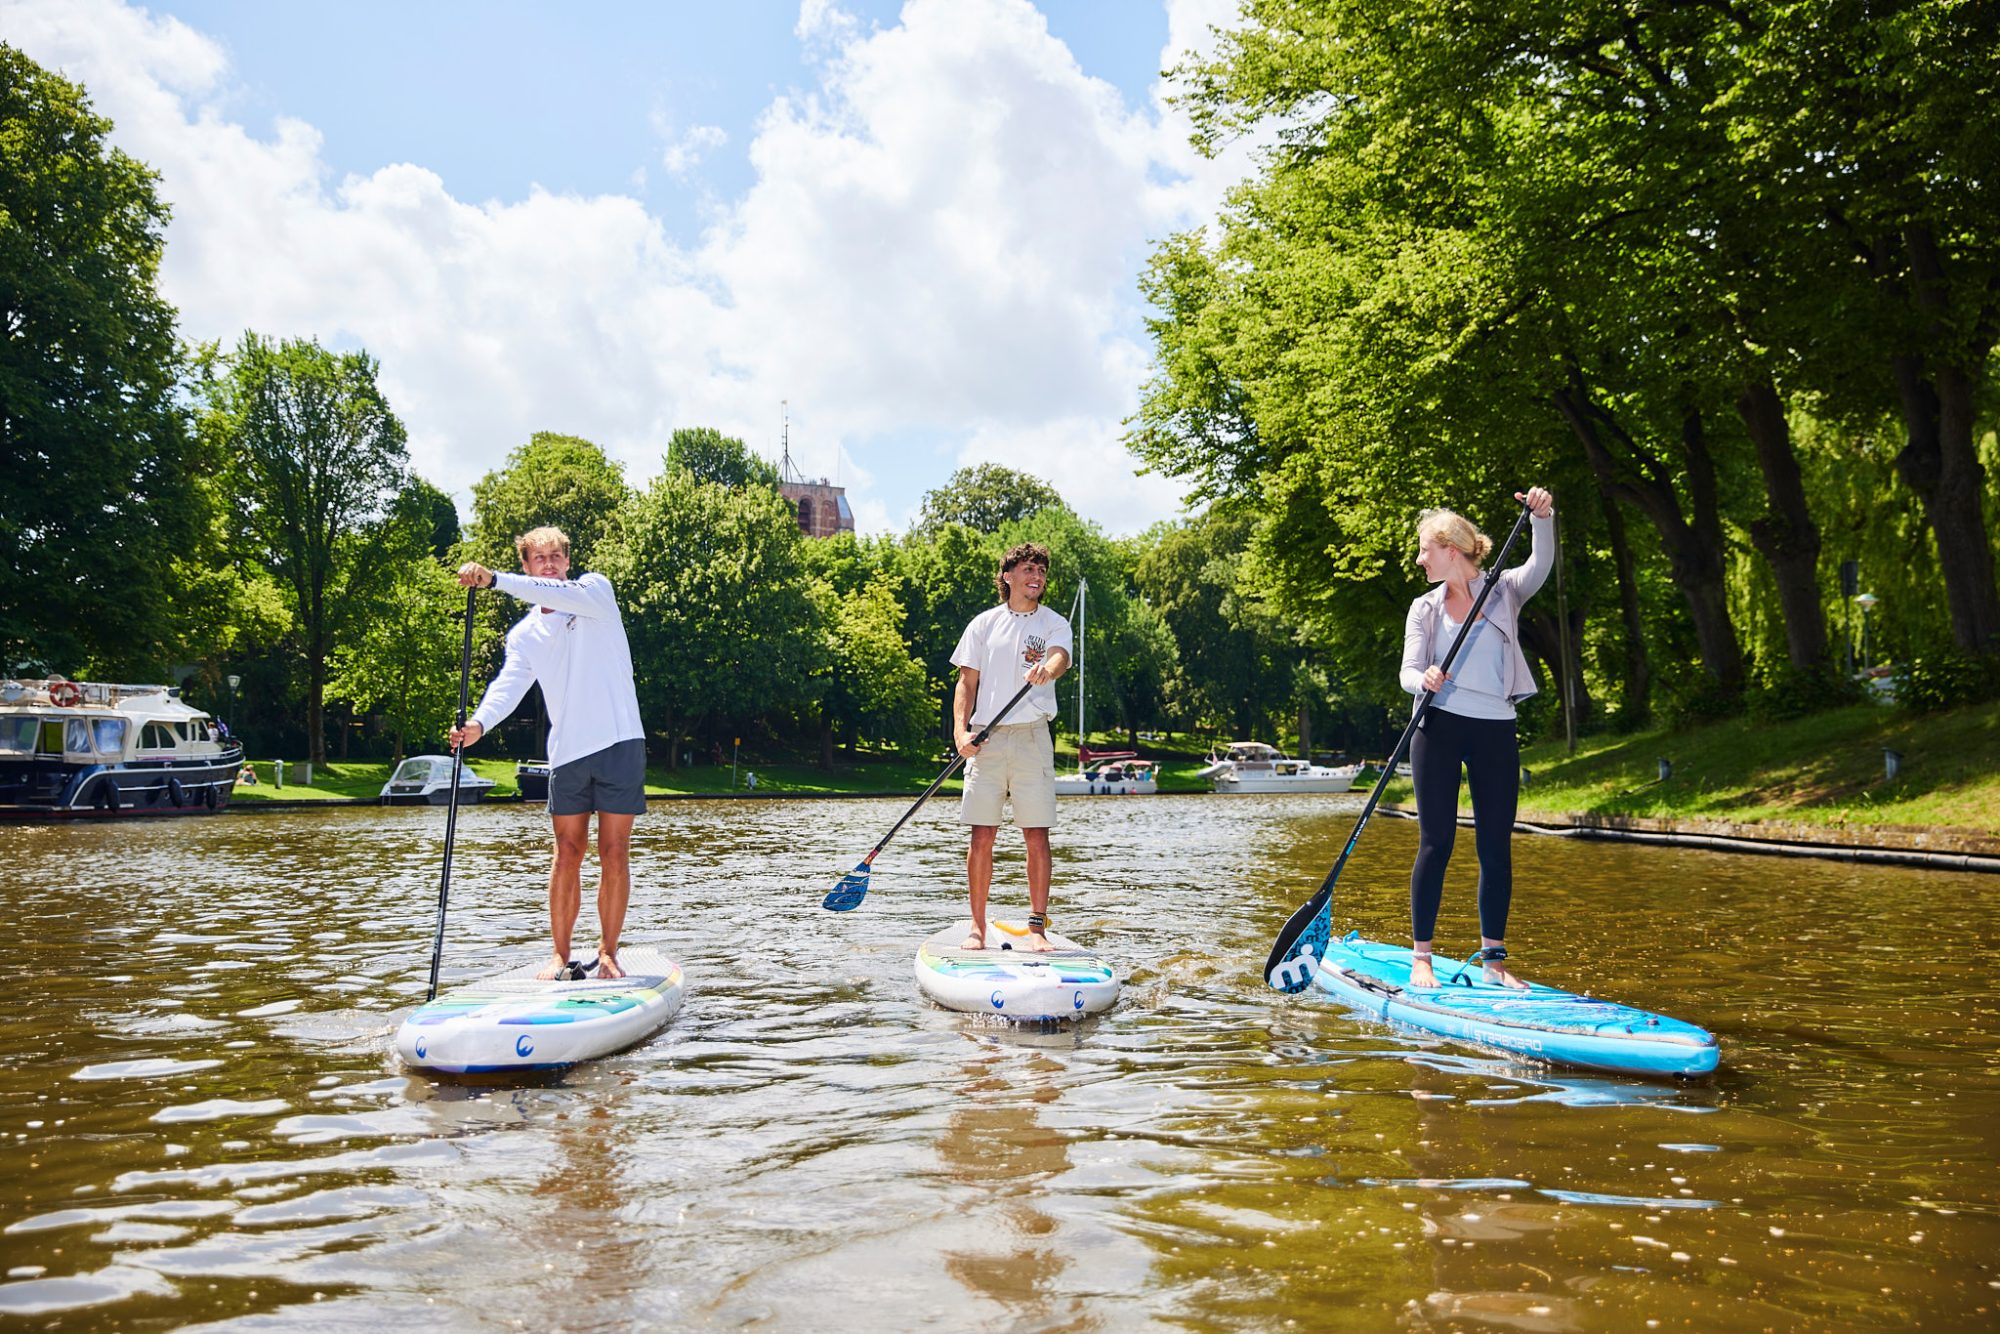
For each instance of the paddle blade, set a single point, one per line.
(1301, 945)
(853, 888)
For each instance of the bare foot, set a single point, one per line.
(974, 941)
(607, 963)
(1421, 974)
(1499, 975)
(1038, 942)
(557, 967)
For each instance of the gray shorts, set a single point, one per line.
(612, 780)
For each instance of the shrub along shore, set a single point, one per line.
(1824, 778)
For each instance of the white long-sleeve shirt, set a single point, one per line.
(571, 643)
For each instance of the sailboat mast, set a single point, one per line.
(1082, 636)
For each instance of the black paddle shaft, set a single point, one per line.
(451, 811)
(949, 770)
(1300, 920)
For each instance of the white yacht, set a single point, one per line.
(86, 748)
(425, 780)
(1252, 766)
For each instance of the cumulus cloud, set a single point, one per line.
(938, 244)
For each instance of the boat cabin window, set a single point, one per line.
(158, 736)
(109, 734)
(417, 770)
(52, 738)
(76, 735)
(17, 736)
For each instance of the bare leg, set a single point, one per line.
(979, 880)
(1421, 972)
(1039, 872)
(614, 887)
(566, 885)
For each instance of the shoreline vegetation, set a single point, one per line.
(1818, 779)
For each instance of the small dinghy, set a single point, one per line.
(517, 1022)
(1541, 1023)
(1008, 980)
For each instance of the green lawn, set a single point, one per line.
(1823, 770)
(1827, 769)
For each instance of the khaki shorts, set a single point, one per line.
(1017, 763)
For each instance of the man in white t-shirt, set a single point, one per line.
(572, 644)
(1020, 641)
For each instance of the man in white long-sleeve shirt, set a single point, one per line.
(572, 643)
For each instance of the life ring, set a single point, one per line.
(175, 792)
(65, 694)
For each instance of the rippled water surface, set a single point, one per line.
(203, 1121)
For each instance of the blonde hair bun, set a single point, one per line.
(1455, 531)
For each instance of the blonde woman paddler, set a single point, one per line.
(1470, 722)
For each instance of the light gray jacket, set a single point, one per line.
(1424, 647)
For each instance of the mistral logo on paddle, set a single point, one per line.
(1295, 970)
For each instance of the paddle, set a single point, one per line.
(1302, 941)
(853, 886)
(451, 811)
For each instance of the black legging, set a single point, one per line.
(1491, 754)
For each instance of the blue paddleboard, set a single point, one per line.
(1541, 1023)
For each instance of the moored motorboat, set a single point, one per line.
(1252, 766)
(85, 748)
(425, 780)
(532, 777)
(1110, 774)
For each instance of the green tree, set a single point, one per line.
(320, 461)
(718, 610)
(872, 686)
(558, 481)
(99, 493)
(985, 497)
(404, 660)
(710, 456)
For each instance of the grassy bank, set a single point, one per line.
(1824, 770)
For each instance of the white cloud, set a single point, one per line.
(939, 244)
(684, 152)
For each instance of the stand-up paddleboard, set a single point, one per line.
(1008, 980)
(1542, 1023)
(515, 1021)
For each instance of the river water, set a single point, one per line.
(204, 1124)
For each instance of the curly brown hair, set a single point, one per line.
(1022, 553)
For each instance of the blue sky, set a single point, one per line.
(920, 224)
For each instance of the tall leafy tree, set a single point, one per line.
(717, 603)
(404, 659)
(984, 497)
(98, 495)
(710, 456)
(320, 461)
(553, 480)
(872, 687)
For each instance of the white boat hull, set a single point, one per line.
(1335, 780)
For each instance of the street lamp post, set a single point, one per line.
(1866, 602)
(234, 681)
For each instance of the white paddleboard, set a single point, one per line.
(1008, 980)
(515, 1021)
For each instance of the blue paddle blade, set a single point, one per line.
(1291, 967)
(847, 895)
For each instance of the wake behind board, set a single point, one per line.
(1007, 980)
(516, 1022)
(1542, 1023)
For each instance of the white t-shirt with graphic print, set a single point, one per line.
(1001, 645)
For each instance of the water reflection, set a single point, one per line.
(204, 1122)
